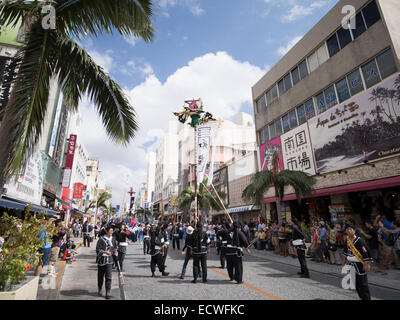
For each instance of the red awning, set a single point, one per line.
(354, 187)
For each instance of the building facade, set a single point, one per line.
(330, 107)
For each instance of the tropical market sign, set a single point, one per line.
(267, 151)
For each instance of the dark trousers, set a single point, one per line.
(86, 239)
(197, 260)
(157, 260)
(222, 257)
(362, 287)
(121, 256)
(234, 264)
(146, 246)
(115, 260)
(178, 245)
(301, 255)
(230, 262)
(164, 258)
(104, 272)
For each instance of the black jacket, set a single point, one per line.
(156, 241)
(363, 249)
(104, 245)
(199, 242)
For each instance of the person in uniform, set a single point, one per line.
(104, 252)
(356, 253)
(175, 236)
(122, 244)
(222, 236)
(188, 255)
(234, 252)
(298, 241)
(157, 250)
(165, 235)
(199, 245)
(146, 239)
(86, 229)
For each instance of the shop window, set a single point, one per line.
(278, 127)
(295, 75)
(386, 63)
(293, 119)
(287, 81)
(321, 103)
(310, 111)
(330, 97)
(360, 26)
(303, 69)
(322, 54)
(301, 114)
(370, 73)
(272, 131)
(371, 14)
(281, 87)
(261, 104)
(313, 61)
(342, 90)
(333, 45)
(344, 37)
(355, 82)
(285, 121)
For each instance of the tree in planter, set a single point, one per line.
(21, 245)
(261, 182)
(204, 198)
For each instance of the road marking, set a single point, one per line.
(249, 285)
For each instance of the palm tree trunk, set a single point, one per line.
(278, 210)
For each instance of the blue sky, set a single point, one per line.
(213, 49)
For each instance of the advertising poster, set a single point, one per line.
(220, 182)
(297, 150)
(78, 190)
(367, 127)
(12, 35)
(266, 152)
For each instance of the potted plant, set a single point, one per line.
(19, 254)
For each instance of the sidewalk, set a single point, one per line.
(391, 280)
(78, 281)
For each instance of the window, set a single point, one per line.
(272, 132)
(264, 135)
(285, 121)
(360, 26)
(370, 73)
(310, 111)
(330, 97)
(269, 98)
(281, 87)
(295, 75)
(333, 45)
(287, 81)
(274, 93)
(301, 114)
(342, 90)
(371, 14)
(344, 37)
(261, 104)
(322, 54)
(321, 103)
(355, 82)
(313, 61)
(303, 69)
(278, 127)
(386, 63)
(293, 119)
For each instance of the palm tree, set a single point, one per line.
(110, 210)
(205, 200)
(301, 182)
(143, 213)
(49, 53)
(100, 202)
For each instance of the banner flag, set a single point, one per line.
(203, 151)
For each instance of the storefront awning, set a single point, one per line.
(354, 187)
(243, 209)
(20, 205)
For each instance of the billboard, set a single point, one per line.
(78, 189)
(69, 160)
(10, 35)
(220, 182)
(297, 150)
(367, 127)
(266, 152)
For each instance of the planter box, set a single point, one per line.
(26, 290)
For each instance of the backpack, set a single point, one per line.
(391, 239)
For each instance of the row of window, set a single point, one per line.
(367, 17)
(358, 80)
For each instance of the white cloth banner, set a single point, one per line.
(203, 151)
(211, 170)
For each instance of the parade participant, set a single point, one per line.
(165, 235)
(146, 239)
(189, 232)
(86, 233)
(234, 252)
(122, 244)
(175, 236)
(157, 250)
(104, 251)
(357, 254)
(298, 242)
(199, 247)
(222, 241)
(114, 243)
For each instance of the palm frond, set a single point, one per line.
(301, 182)
(260, 183)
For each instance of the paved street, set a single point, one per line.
(266, 277)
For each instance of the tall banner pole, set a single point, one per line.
(223, 206)
(195, 176)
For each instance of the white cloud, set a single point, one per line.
(147, 69)
(132, 40)
(283, 50)
(103, 59)
(192, 5)
(298, 11)
(222, 82)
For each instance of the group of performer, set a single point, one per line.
(230, 243)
